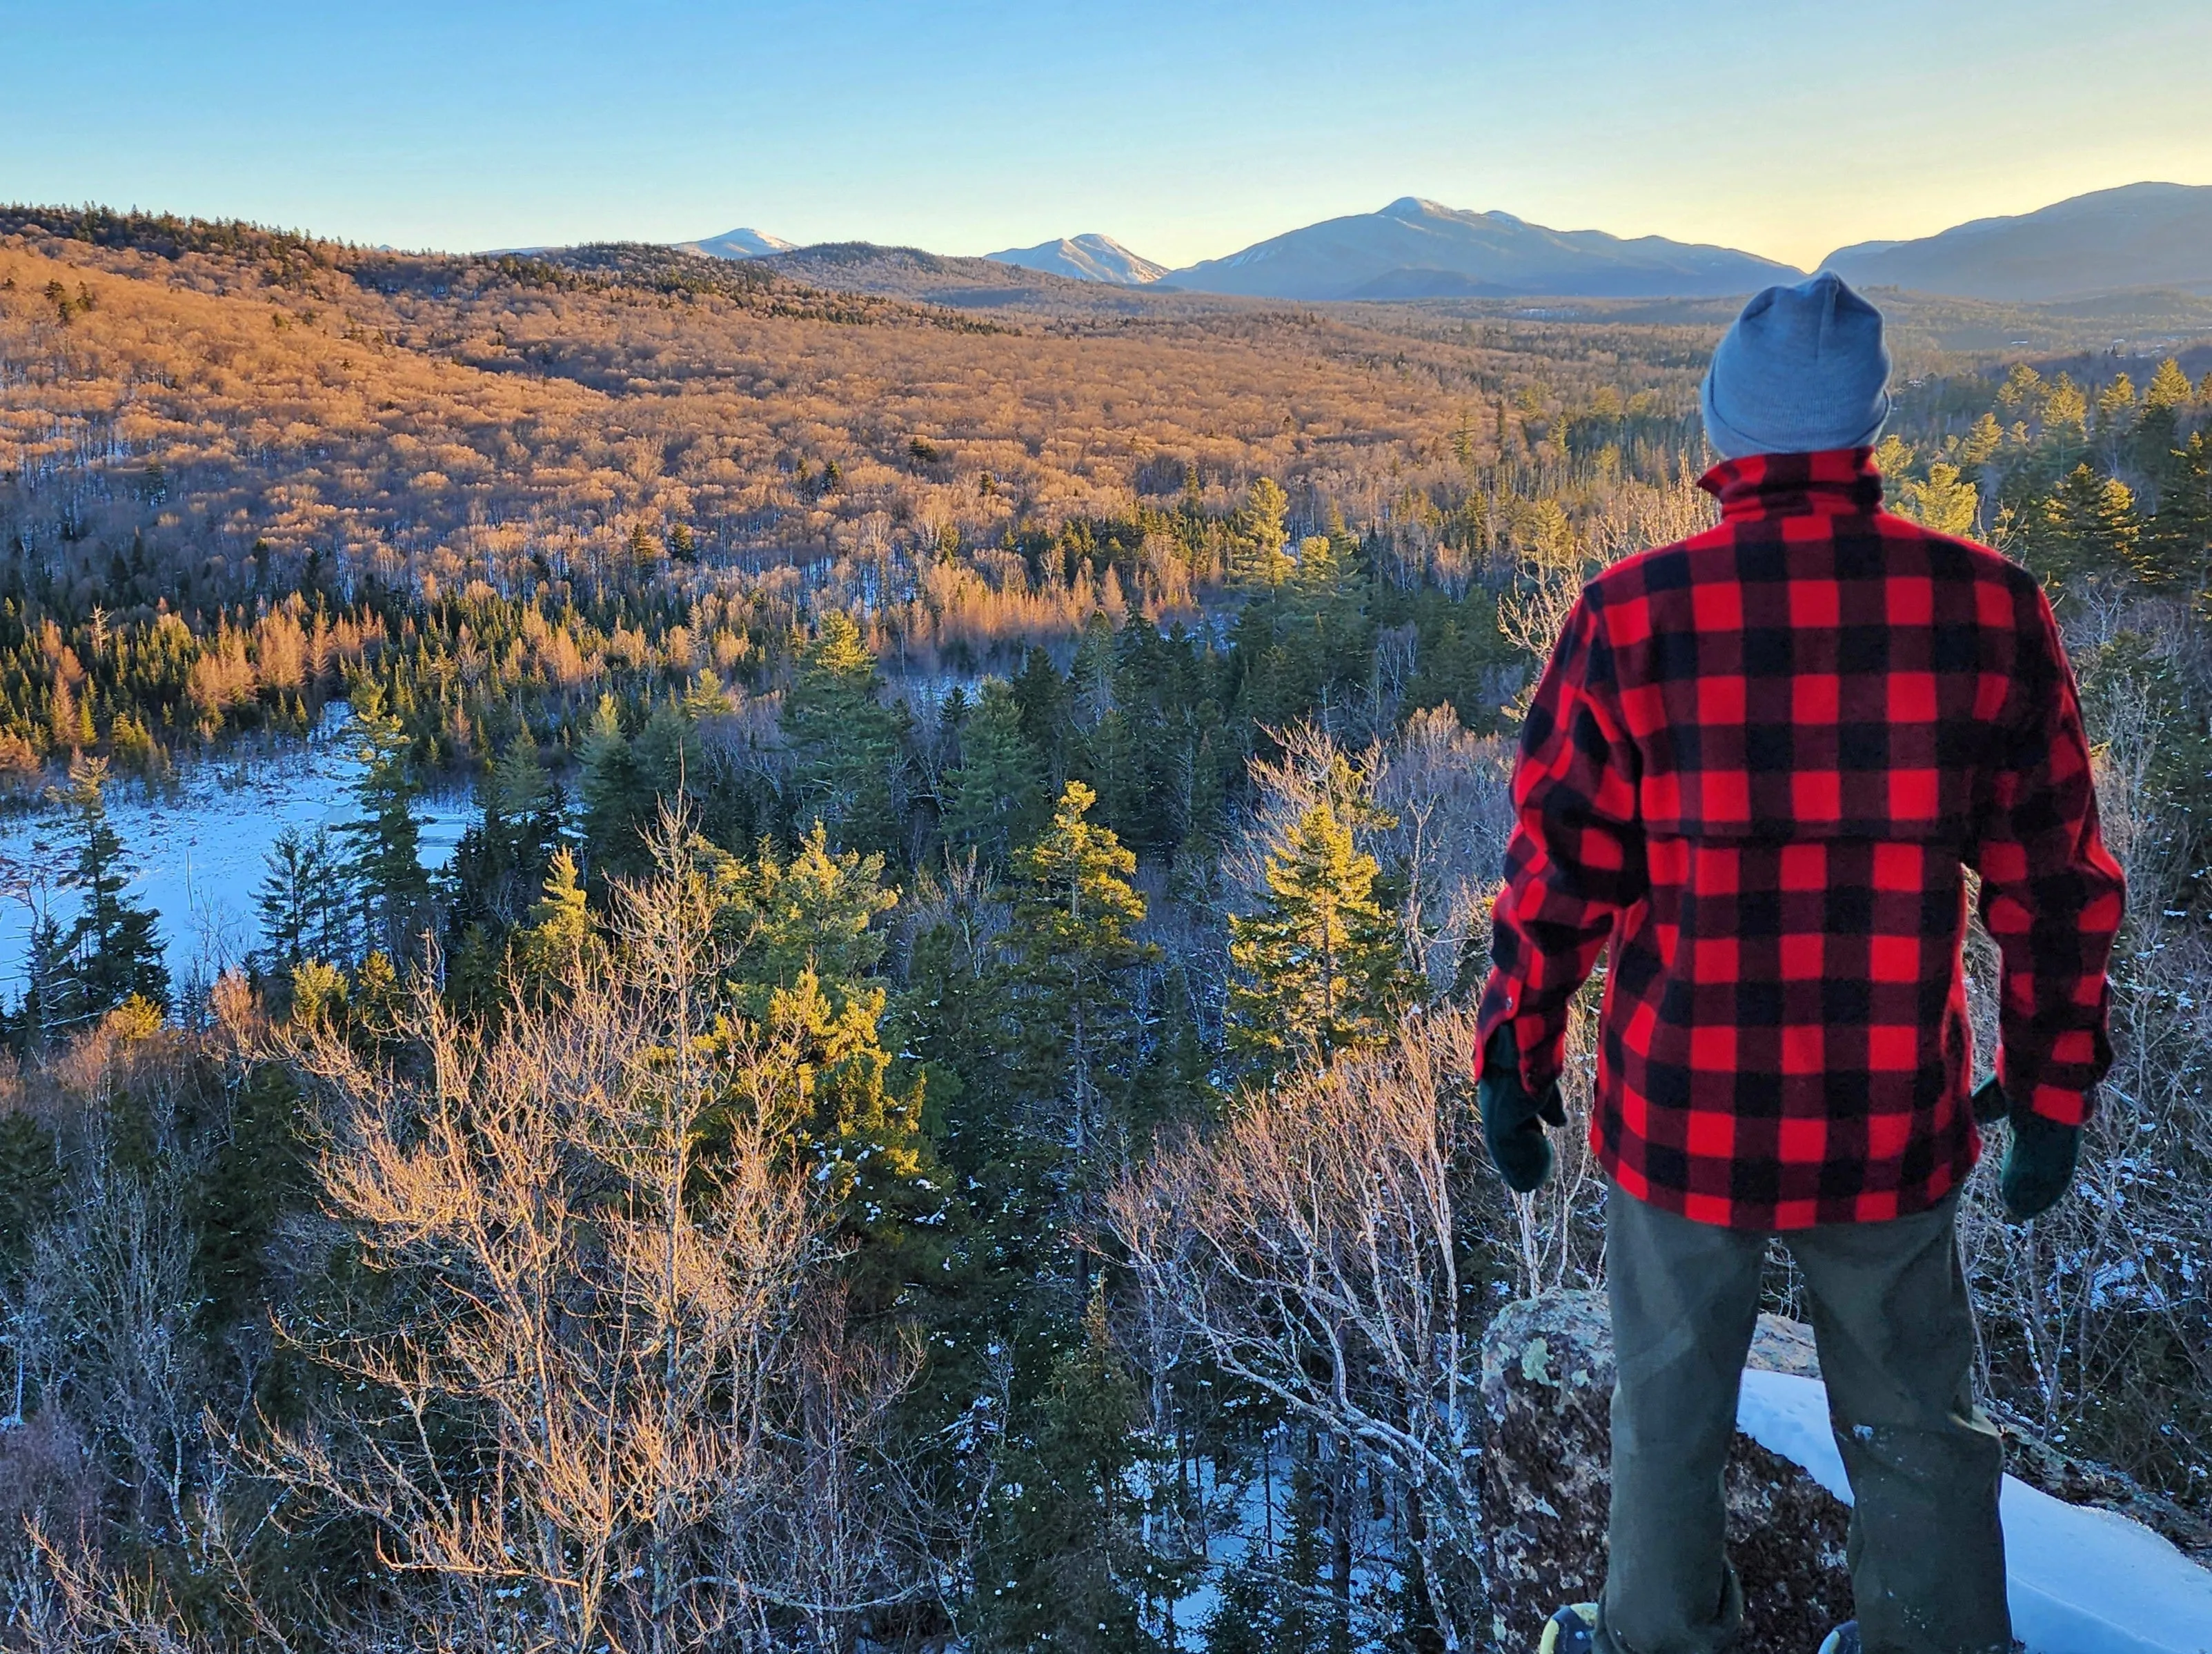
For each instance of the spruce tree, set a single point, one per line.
(111, 953)
(1257, 561)
(2086, 529)
(560, 937)
(2157, 430)
(1073, 980)
(994, 799)
(617, 800)
(386, 858)
(302, 902)
(815, 911)
(873, 1163)
(1064, 1565)
(844, 742)
(30, 1182)
(2177, 543)
(1321, 966)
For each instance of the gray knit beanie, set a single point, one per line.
(1803, 369)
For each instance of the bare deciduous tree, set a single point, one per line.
(1314, 1248)
(622, 1409)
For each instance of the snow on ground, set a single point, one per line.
(197, 849)
(2082, 1580)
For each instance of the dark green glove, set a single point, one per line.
(2039, 1164)
(1511, 1116)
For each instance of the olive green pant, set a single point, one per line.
(1896, 1336)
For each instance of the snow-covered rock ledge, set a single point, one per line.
(2083, 1580)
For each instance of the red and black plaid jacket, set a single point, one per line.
(1759, 763)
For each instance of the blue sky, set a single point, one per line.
(1188, 131)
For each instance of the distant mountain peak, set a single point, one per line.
(1416, 248)
(1088, 258)
(743, 242)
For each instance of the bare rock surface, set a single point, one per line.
(1546, 1389)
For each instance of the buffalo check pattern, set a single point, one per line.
(1760, 765)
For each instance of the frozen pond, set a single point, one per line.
(197, 849)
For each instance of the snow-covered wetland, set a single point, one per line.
(197, 845)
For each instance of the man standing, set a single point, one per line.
(1759, 764)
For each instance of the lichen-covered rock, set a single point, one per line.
(1547, 1389)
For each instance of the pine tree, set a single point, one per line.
(1981, 445)
(873, 1163)
(111, 953)
(994, 800)
(816, 913)
(1321, 967)
(2157, 431)
(1243, 1622)
(669, 756)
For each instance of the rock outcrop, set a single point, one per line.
(1546, 1388)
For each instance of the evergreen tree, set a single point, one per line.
(303, 901)
(993, 800)
(1257, 561)
(30, 1182)
(669, 756)
(560, 937)
(2177, 543)
(387, 860)
(2086, 529)
(1243, 1622)
(844, 742)
(813, 913)
(872, 1161)
(801, 939)
(111, 953)
(618, 801)
(1042, 694)
(1981, 445)
(1298, 1617)
(1065, 1565)
(2157, 431)
(1073, 978)
(1944, 501)
(1322, 968)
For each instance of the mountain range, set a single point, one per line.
(2140, 236)
(1091, 258)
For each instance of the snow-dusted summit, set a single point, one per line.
(739, 243)
(1083, 258)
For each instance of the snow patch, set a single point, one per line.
(2080, 1580)
(196, 851)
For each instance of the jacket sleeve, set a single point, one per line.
(2052, 896)
(1576, 856)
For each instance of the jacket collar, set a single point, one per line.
(1835, 482)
